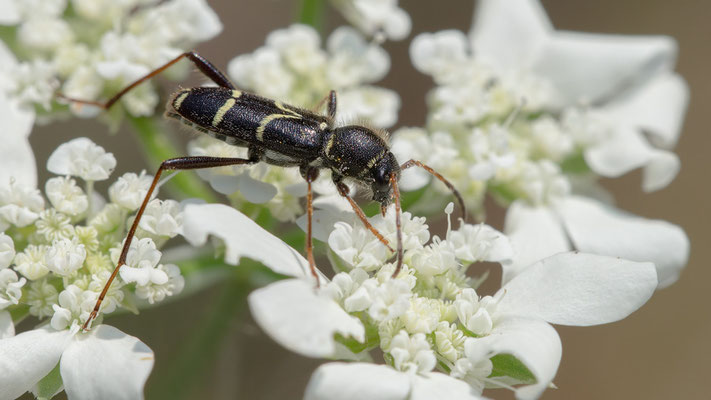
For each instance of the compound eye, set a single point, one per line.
(382, 177)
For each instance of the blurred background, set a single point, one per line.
(659, 352)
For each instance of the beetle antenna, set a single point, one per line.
(460, 200)
(398, 224)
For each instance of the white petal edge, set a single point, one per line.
(106, 364)
(534, 233)
(355, 381)
(533, 342)
(27, 358)
(579, 289)
(242, 237)
(626, 149)
(594, 68)
(660, 171)
(17, 160)
(256, 191)
(351, 381)
(509, 33)
(292, 314)
(658, 107)
(7, 327)
(435, 385)
(601, 229)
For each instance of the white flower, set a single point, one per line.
(29, 82)
(141, 263)
(284, 307)
(490, 152)
(31, 262)
(411, 353)
(422, 316)
(449, 341)
(16, 152)
(162, 218)
(44, 33)
(480, 243)
(114, 296)
(475, 313)
(581, 223)
(10, 288)
(357, 246)
(542, 182)
(7, 250)
(573, 289)
(130, 189)
(376, 105)
(293, 66)
(103, 363)
(299, 47)
(180, 20)
(66, 196)
(354, 60)
(376, 17)
(263, 72)
(155, 292)
(629, 80)
(65, 256)
(73, 308)
(83, 158)
(54, 225)
(380, 382)
(20, 205)
(390, 299)
(474, 374)
(41, 296)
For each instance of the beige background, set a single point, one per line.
(660, 352)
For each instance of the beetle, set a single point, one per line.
(282, 135)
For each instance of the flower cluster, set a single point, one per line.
(380, 19)
(437, 334)
(293, 67)
(64, 248)
(533, 117)
(510, 123)
(90, 49)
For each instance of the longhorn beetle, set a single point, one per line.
(282, 135)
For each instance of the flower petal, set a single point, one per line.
(17, 159)
(660, 171)
(628, 149)
(355, 381)
(440, 386)
(7, 327)
(533, 342)
(106, 363)
(256, 191)
(380, 382)
(292, 314)
(535, 233)
(27, 358)
(509, 33)
(579, 289)
(601, 229)
(10, 15)
(593, 68)
(242, 237)
(658, 108)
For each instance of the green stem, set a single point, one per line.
(158, 149)
(311, 13)
(193, 363)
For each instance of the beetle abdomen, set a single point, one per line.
(232, 115)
